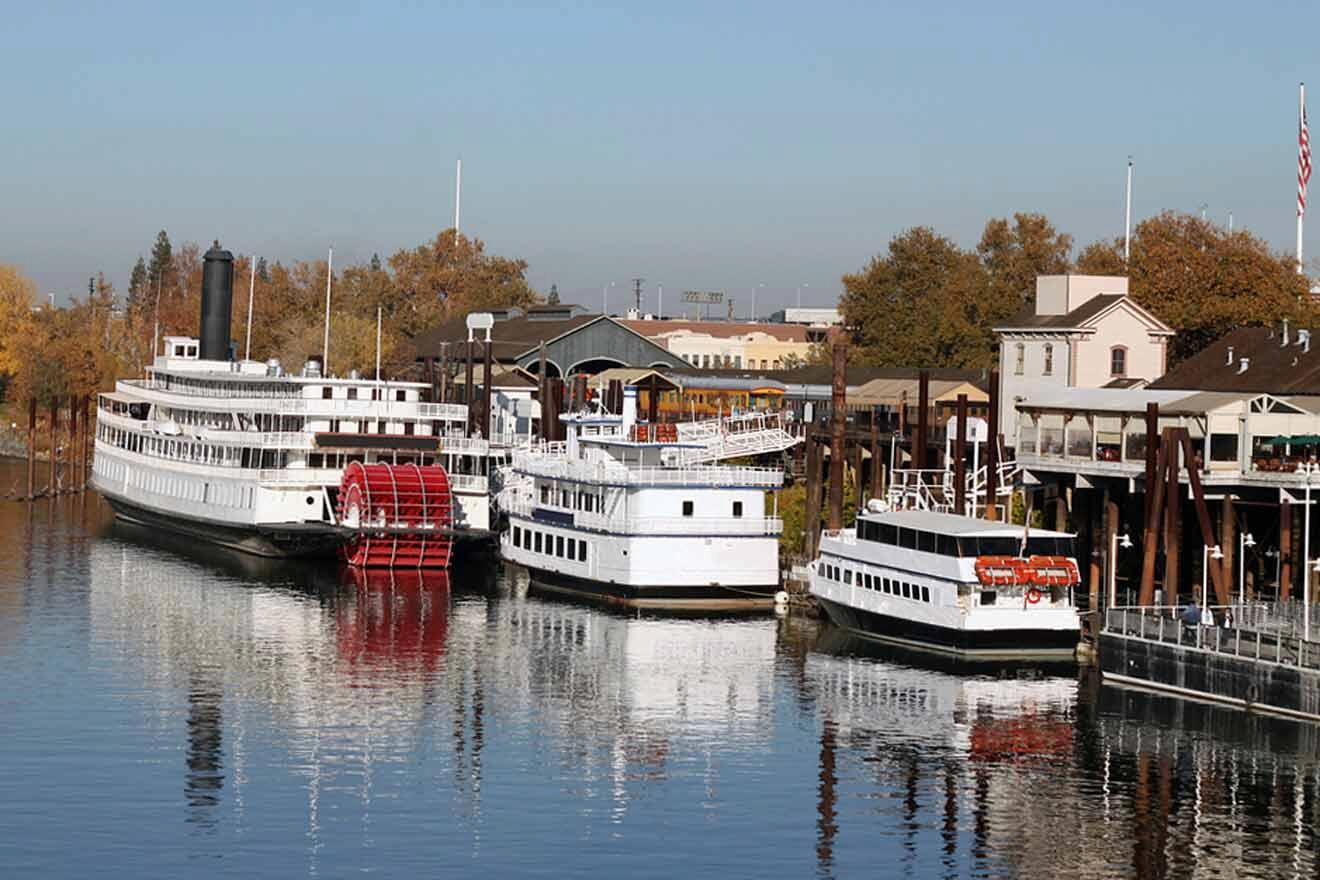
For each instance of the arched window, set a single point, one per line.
(1020, 366)
(1049, 360)
(1118, 361)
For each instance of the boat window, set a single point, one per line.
(400, 396)
(888, 588)
(925, 594)
(907, 590)
(687, 508)
(866, 581)
(926, 541)
(907, 538)
(517, 536)
(988, 597)
(572, 549)
(538, 542)
(559, 545)
(990, 546)
(737, 508)
(582, 551)
(888, 534)
(946, 545)
(847, 575)
(1050, 546)
(327, 392)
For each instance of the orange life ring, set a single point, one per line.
(1033, 596)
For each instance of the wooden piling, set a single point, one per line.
(1172, 521)
(960, 459)
(54, 441)
(877, 468)
(1285, 550)
(487, 387)
(923, 418)
(467, 387)
(75, 463)
(32, 448)
(838, 415)
(811, 514)
(1111, 529)
(1152, 453)
(1151, 528)
(89, 436)
(992, 451)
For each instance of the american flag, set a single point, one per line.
(1303, 164)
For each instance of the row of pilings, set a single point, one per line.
(63, 444)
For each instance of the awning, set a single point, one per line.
(1294, 440)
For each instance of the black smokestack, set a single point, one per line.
(217, 303)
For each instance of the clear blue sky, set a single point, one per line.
(705, 145)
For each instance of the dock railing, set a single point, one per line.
(1255, 631)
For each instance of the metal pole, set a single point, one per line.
(1301, 180)
(378, 343)
(1306, 557)
(458, 196)
(1127, 221)
(252, 288)
(325, 345)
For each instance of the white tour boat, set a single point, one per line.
(622, 512)
(240, 453)
(950, 583)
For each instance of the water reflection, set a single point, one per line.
(321, 720)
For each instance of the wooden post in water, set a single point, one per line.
(32, 448)
(811, 515)
(923, 419)
(1111, 529)
(75, 449)
(960, 459)
(877, 467)
(487, 386)
(89, 442)
(1151, 527)
(1152, 454)
(467, 386)
(54, 441)
(992, 451)
(1172, 521)
(838, 415)
(1285, 550)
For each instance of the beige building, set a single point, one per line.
(1083, 332)
(732, 345)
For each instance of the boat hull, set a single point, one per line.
(990, 644)
(668, 597)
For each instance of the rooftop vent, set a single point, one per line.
(1242, 367)
(312, 369)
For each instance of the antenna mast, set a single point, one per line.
(458, 195)
(637, 294)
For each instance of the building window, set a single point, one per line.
(687, 508)
(1118, 361)
(1049, 360)
(1021, 363)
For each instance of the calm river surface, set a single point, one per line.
(166, 711)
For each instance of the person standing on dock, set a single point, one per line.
(1191, 617)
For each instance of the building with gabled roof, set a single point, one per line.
(1083, 331)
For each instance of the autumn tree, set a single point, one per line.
(926, 303)
(449, 276)
(1203, 281)
(139, 286)
(18, 294)
(1013, 254)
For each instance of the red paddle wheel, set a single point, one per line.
(401, 515)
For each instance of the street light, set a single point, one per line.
(1207, 554)
(799, 294)
(605, 298)
(1124, 541)
(1245, 540)
(754, 289)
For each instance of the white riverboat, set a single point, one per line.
(621, 512)
(952, 584)
(240, 453)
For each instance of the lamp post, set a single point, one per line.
(1207, 553)
(605, 298)
(1124, 541)
(1245, 540)
(1306, 554)
(754, 289)
(799, 294)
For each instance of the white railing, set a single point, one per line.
(309, 406)
(301, 476)
(753, 433)
(1251, 630)
(713, 526)
(616, 474)
(473, 483)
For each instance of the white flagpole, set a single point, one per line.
(458, 194)
(1127, 217)
(1301, 207)
(377, 343)
(325, 347)
(252, 288)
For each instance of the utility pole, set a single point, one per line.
(637, 294)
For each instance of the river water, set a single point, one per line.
(167, 710)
